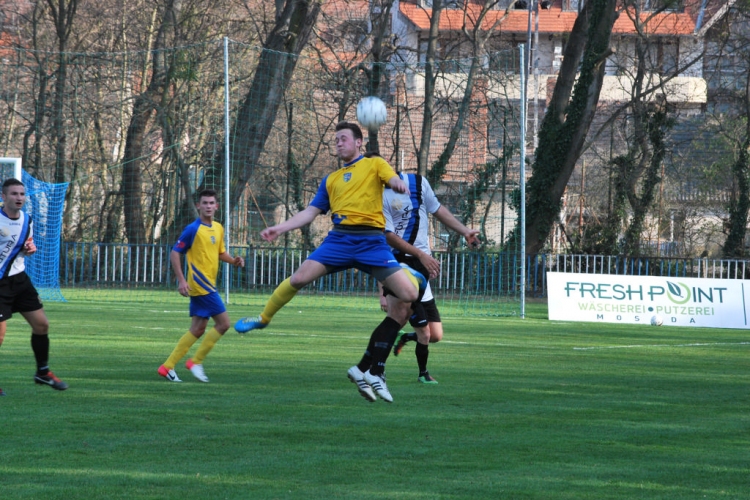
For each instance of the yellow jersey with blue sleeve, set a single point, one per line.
(354, 193)
(201, 244)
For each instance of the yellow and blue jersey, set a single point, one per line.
(354, 193)
(202, 246)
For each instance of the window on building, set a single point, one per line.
(667, 5)
(574, 5)
(664, 56)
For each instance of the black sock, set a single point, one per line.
(382, 340)
(423, 352)
(366, 360)
(40, 346)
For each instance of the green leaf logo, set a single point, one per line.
(679, 293)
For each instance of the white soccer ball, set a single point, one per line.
(656, 320)
(371, 112)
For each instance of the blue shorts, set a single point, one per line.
(341, 251)
(206, 306)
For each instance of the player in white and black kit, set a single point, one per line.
(17, 293)
(407, 232)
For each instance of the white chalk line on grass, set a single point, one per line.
(659, 346)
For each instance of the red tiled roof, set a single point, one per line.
(554, 20)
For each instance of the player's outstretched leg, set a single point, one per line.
(244, 325)
(358, 378)
(278, 299)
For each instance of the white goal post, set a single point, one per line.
(10, 167)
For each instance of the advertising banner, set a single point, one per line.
(609, 298)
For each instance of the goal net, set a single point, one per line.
(44, 203)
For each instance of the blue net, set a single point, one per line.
(44, 204)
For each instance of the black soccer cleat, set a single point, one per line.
(51, 381)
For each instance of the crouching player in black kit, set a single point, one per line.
(17, 293)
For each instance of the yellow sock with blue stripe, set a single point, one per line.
(182, 347)
(280, 297)
(209, 341)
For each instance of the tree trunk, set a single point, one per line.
(258, 110)
(567, 121)
(423, 154)
(380, 22)
(734, 246)
(657, 124)
(144, 109)
(62, 15)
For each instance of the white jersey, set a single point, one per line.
(406, 215)
(13, 235)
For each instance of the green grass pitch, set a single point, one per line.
(524, 409)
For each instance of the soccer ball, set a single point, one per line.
(656, 320)
(371, 112)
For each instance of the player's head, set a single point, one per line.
(207, 203)
(208, 193)
(348, 140)
(11, 182)
(14, 195)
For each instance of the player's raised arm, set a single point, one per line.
(446, 217)
(297, 221)
(398, 185)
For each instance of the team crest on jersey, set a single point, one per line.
(347, 177)
(3, 232)
(213, 240)
(397, 205)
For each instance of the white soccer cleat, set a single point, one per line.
(377, 382)
(196, 370)
(357, 377)
(170, 375)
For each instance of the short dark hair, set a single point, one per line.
(356, 131)
(208, 193)
(11, 182)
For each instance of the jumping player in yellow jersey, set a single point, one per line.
(354, 196)
(202, 242)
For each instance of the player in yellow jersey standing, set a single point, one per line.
(202, 242)
(354, 196)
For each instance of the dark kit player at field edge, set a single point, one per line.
(17, 292)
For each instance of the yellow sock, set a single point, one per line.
(209, 341)
(182, 347)
(283, 294)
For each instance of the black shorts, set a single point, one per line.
(17, 294)
(424, 312)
